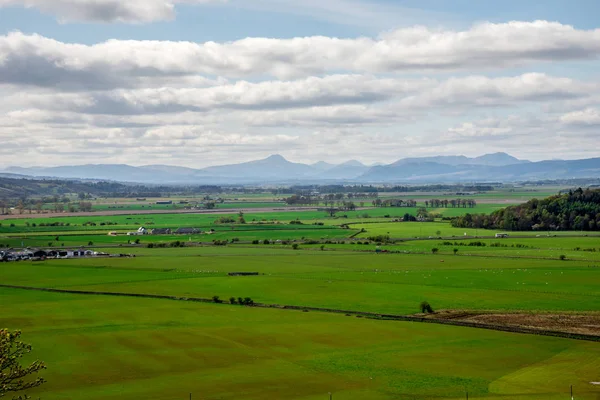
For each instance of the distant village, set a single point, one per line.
(40, 255)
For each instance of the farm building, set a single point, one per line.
(141, 231)
(40, 254)
(161, 231)
(501, 235)
(187, 231)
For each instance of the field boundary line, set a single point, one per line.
(370, 315)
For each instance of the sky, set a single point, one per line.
(197, 83)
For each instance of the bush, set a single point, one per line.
(232, 300)
(137, 241)
(266, 241)
(563, 257)
(216, 299)
(225, 220)
(255, 242)
(425, 307)
(322, 247)
(380, 238)
(150, 245)
(455, 251)
(90, 243)
(435, 250)
(295, 246)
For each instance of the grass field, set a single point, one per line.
(204, 219)
(105, 347)
(154, 349)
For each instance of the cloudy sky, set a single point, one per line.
(204, 82)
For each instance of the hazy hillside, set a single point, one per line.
(276, 169)
(273, 167)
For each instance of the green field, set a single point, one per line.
(108, 347)
(152, 349)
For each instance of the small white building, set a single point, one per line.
(140, 232)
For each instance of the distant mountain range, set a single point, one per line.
(498, 167)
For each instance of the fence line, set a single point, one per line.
(370, 315)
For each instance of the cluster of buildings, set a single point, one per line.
(161, 231)
(31, 254)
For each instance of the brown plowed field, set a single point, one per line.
(587, 324)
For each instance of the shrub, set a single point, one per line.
(90, 243)
(150, 245)
(232, 300)
(137, 241)
(295, 246)
(322, 247)
(240, 301)
(266, 241)
(455, 251)
(425, 307)
(225, 220)
(216, 299)
(563, 257)
(435, 250)
(255, 242)
(380, 238)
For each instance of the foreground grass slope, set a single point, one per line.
(114, 348)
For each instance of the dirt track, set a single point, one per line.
(143, 212)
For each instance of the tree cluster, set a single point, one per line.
(394, 203)
(576, 210)
(443, 203)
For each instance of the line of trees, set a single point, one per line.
(394, 203)
(454, 203)
(576, 210)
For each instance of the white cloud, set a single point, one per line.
(333, 99)
(539, 137)
(372, 14)
(198, 104)
(127, 11)
(587, 117)
(487, 46)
